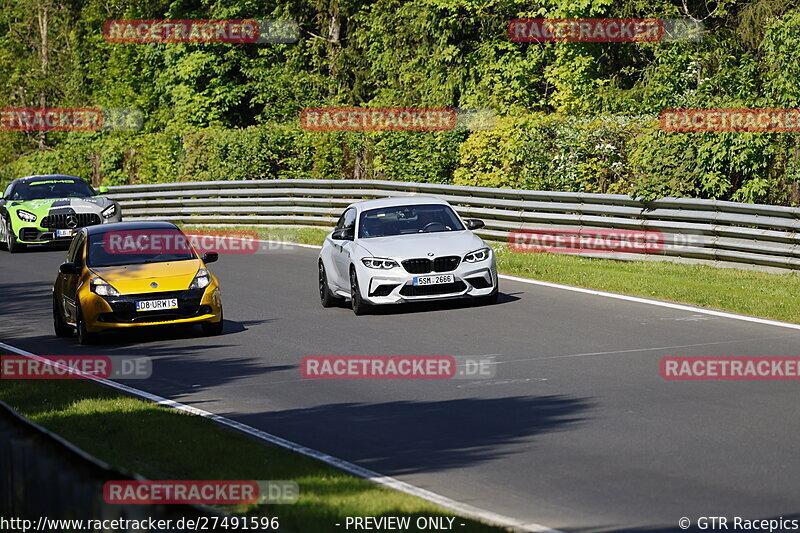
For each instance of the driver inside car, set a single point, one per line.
(426, 217)
(372, 227)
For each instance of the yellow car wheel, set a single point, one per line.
(84, 337)
(211, 329)
(61, 328)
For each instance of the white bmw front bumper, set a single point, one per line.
(396, 285)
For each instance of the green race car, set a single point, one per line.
(48, 209)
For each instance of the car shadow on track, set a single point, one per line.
(38, 248)
(129, 338)
(438, 305)
(179, 369)
(133, 341)
(406, 437)
(15, 300)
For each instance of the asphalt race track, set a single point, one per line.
(577, 431)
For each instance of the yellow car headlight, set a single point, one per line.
(201, 280)
(100, 287)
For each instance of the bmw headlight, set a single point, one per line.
(26, 216)
(201, 280)
(101, 287)
(110, 211)
(379, 262)
(478, 255)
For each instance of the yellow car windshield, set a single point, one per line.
(101, 252)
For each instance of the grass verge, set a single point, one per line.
(749, 292)
(161, 443)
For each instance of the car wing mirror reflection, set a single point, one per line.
(69, 268)
(343, 234)
(474, 223)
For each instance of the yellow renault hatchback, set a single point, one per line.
(132, 274)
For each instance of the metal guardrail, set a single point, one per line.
(723, 233)
(42, 475)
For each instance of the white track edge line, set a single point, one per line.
(638, 299)
(629, 298)
(462, 509)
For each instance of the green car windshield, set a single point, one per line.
(51, 188)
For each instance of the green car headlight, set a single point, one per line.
(26, 216)
(110, 211)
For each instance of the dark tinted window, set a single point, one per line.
(340, 222)
(75, 254)
(407, 219)
(138, 247)
(349, 218)
(51, 188)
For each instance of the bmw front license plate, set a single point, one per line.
(434, 280)
(156, 305)
(63, 233)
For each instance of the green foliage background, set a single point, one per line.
(572, 116)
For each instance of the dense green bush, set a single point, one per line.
(256, 152)
(572, 116)
(550, 152)
(614, 154)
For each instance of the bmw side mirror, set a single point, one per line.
(474, 223)
(210, 257)
(344, 234)
(102, 190)
(69, 268)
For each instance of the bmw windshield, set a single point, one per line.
(51, 188)
(408, 219)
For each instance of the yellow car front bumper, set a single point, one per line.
(103, 313)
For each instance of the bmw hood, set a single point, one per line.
(422, 244)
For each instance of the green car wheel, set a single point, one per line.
(9, 240)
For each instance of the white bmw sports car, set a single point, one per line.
(398, 250)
